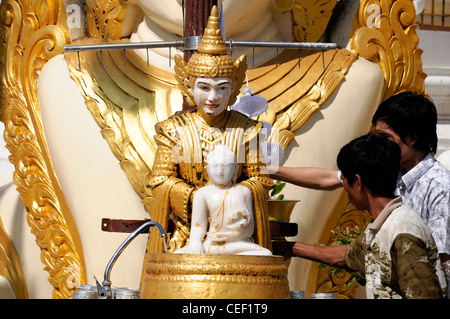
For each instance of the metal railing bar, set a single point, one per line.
(170, 44)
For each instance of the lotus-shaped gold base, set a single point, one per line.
(189, 276)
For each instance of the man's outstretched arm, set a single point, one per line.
(330, 255)
(309, 177)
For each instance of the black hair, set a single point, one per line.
(375, 159)
(410, 115)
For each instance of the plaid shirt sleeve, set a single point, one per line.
(439, 222)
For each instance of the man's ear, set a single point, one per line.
(410, 140)
(358, 182)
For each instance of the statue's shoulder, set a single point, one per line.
(246, 122)
(174, 122)
(244, 190)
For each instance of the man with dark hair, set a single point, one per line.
(413, 117)
(396, 256)
(410, 121)
(377, 164)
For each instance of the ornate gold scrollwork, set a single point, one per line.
(325, 279)
(296, 92)
(104, 18)
(34, 32)
(311, 19)
(119, 109)
(387, 36)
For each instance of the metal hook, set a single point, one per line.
(323, 59)
(101, 60)
(79, 63)
(170, 57)
(253, 62)
(276, 59)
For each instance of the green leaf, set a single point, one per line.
(278, 188)
(351, 281)
(336, 271)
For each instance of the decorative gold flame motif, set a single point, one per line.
(104, 18)
(387, 36)
(311, 19)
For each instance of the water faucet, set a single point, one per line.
(104, 290)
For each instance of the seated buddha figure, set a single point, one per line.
(229, 209)
(210, 80)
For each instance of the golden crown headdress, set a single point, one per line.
(210, 61)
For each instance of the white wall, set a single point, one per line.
(6, 168)
(436, 64)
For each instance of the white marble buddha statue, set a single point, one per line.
(222, 213)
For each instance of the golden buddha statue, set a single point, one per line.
(211, 81)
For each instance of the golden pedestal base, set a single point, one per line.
(186, 276)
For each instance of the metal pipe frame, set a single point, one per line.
(170, 44)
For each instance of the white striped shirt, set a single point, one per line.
(426, 189)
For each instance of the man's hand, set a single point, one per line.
(330, 255)
(283, 248)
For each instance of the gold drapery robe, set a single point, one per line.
(183, 142)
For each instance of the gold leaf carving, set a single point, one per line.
(387, 36)
(296, 90)
(32, 33)
(311, 18)
(339, 283)
(126, 99)
(104, 18)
